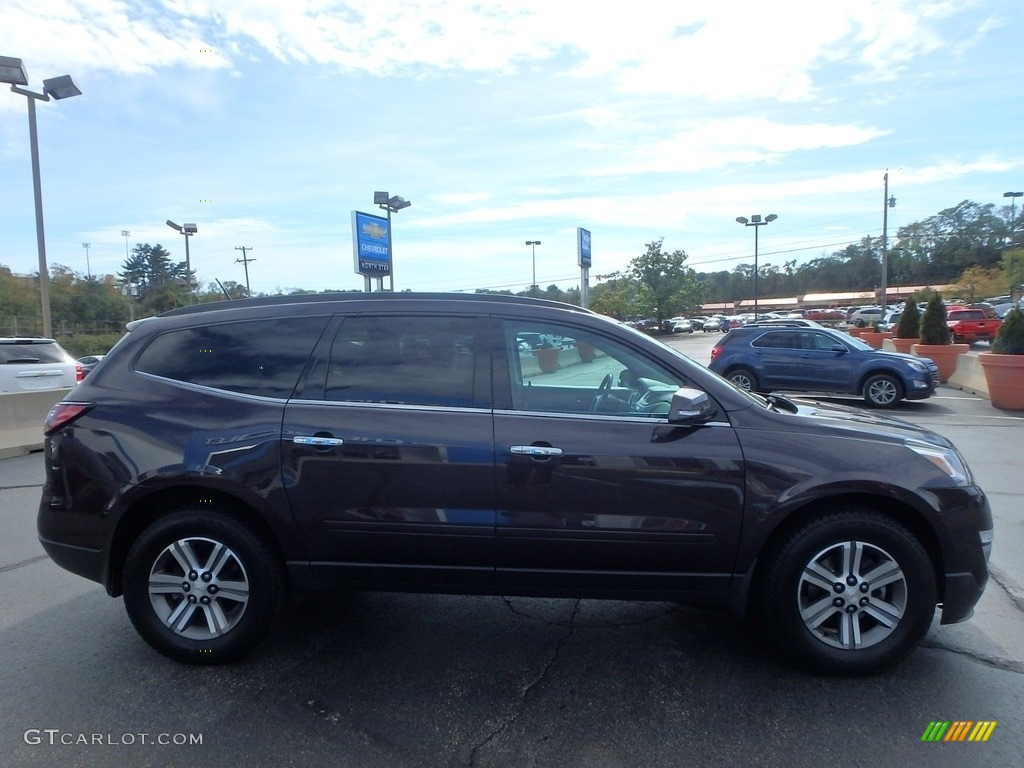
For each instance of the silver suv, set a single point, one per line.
(29, 364)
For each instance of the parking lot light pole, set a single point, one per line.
(391, 204)
(887, 203)
(1013, 198)
(187, 230)
(756, 222)
(533, 247)
(12, 71)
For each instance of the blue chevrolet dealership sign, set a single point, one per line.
(583, 247)
(371, 244)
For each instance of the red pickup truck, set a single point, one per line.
(967, 325)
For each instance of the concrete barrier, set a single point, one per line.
(968, 376)
(21, 420)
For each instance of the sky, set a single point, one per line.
(267, 123)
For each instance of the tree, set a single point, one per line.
(933, 324)
(159, 283)
(616, 297)
(667, 286)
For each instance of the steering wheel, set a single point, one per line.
(602, 392)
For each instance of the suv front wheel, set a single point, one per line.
(882, 390)
(850, 593)
(202, 587)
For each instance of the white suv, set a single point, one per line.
(34, 364)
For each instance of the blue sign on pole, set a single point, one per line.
(371, 244)
(583, 247)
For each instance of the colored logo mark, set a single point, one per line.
(958, 730)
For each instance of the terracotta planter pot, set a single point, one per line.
(855, 332)
(586, 351)
(548, 359)
(904, 345)
(875, 340)
(944, 356)
(1004, 375)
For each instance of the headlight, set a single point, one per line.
(947, 460)
(919, 367)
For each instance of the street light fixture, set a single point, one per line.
(187, 230)
(12, 71)
(533, 247)
(1013, 199)
(756, 222)
(391, 204)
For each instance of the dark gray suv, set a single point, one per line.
(227, 453)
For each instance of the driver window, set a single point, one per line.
(558, 369)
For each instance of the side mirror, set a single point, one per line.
(690, 406)
(840, 349)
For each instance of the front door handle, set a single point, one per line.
(536, 451)
(318, 441)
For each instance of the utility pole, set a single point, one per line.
(245, 262)
(887, 203)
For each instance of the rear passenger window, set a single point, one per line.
(779, 340)
(258, 357)
(405, 360)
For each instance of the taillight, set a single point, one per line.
(62, 414)
(79, 372)
(716, 352)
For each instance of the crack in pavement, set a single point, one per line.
(1005, 665)
(528, 689)
(1008, 585)
(673, 608)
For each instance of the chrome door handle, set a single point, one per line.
(540, 451)
(319, 442)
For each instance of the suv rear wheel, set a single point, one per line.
(201, 587)
(850, 593)
(743, 378)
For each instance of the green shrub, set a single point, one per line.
(81, 344)
(933, 325)
(1010, 336)
(909, 326)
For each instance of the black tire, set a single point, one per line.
(850, 576)
(743, 378)
(882, 391)
(233, 582)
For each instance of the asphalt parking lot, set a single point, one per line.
(412, 680)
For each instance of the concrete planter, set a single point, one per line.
(548, 359)
(944, 356)
(904, 345)
(1004, 375)
(873, 339)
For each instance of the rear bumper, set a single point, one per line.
(82, 561)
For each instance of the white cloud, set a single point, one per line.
(718, 143)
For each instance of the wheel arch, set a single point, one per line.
(894, 509)
(146, 510)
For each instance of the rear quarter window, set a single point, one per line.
(255, 357)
